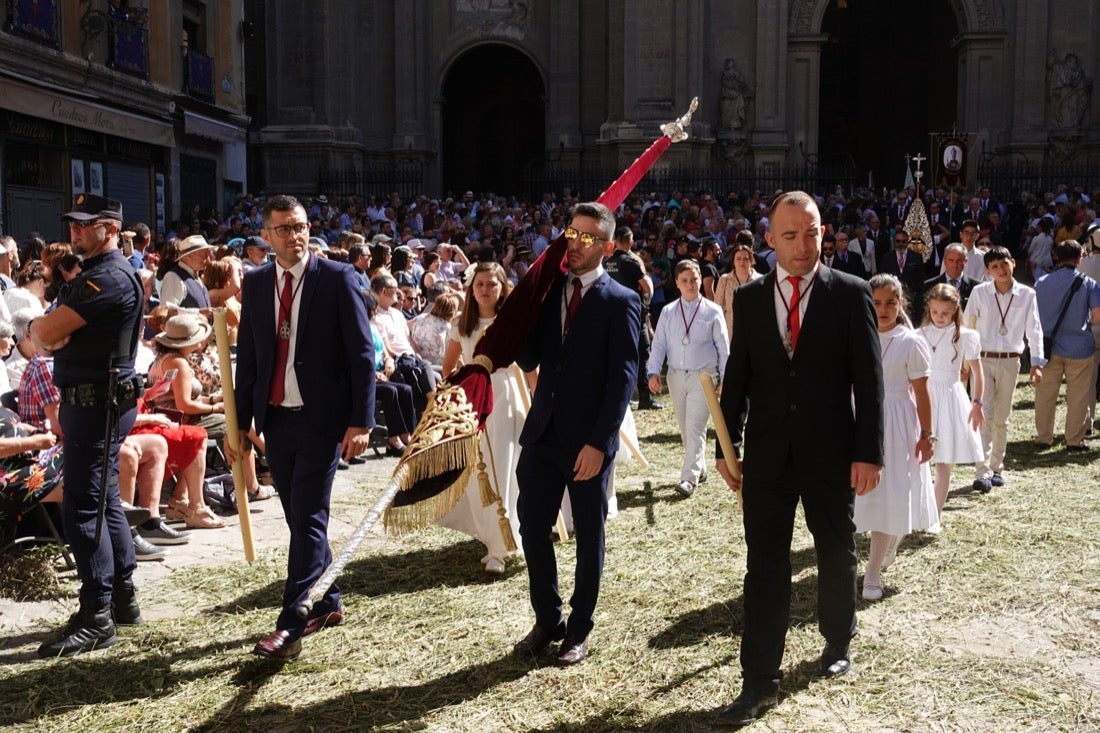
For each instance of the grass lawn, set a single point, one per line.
(994, 625)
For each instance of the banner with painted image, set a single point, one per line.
(951, 161)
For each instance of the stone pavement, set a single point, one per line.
(353, 493)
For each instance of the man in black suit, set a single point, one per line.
(954, 260)
(804, 349)
(846, 260)
(585, 344)
(906, 265)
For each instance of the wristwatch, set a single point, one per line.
(928, 434)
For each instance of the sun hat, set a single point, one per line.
(185, 329)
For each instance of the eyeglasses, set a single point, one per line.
(586, 239)
(899, 240)
(76, 224)
(284, 230)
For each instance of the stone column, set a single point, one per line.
(412, 59)
(982, 102)
(770, 138)
(563, 88)
(1029, 88)
(803, 94)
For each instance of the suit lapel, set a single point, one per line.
(264, 303)
(309, 288)
(819, 294)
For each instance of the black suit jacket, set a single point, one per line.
(800, 408)
(912, 275)
(853, 265)
(965, 286)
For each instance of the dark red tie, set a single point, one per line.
(574, 305)
(792, 315)
(282, 341)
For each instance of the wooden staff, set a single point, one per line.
(722, 431)
(233, 435)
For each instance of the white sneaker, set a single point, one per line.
(494, 566)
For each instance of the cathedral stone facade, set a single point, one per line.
(354, 88)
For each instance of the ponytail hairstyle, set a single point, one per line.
(885, 281)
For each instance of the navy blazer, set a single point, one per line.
(800, 408)
(334, 353)
(586, 381)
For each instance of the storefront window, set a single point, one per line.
(25, 165)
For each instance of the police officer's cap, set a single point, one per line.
(87, 207)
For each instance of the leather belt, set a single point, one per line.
(94, 394)
(1000, 355)
(280, 408)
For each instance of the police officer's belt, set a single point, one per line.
(94, 394)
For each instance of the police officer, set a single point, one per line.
(95, 328)
(627, 269)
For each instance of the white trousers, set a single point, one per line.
(690, 407)
(1000, 386)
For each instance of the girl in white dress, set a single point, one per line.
(956, 418)
(903, 501)
(494, 523)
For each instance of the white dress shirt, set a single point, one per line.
(587, 280)
(783, 295)
(292, 395)
(709, 345)
(984, 312)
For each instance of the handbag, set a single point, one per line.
(1048, 341)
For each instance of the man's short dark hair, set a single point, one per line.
(996, 253)
(381, 281)
(141, 233)
(624, 234)
(969, 223)
(356, 251)
(599, 212)
(280, 202)
(1068, 250)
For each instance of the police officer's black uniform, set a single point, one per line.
(107, 294)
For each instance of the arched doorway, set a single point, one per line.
(493, 119)
(889, 76)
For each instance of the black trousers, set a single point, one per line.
(769, 523)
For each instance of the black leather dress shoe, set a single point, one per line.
(572, 652)
(747, 707)
(539, 638)
(320, 620)
(281, 646)
(834, 661)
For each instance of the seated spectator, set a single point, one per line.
(30, 467)
(24, 347)
(180, 270)
(410, 368)
(39, 398)
(395, 398)
(29, 290)
(222, 279)
(183, 400)
(430, 332)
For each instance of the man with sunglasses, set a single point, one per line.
(95, 328)
(585, 346)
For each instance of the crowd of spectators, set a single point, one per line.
(412, 254)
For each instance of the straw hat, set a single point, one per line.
(185, 329)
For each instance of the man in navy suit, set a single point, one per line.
(585, 345)
(954, 260)
(804, 353)
(907, 266)
(310, 392)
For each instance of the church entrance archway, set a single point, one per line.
(493, 120)
(889, 76)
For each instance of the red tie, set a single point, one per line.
(901, 261)
(282, 342)
(574, 305)
(792, 315)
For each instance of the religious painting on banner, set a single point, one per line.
(950, 160)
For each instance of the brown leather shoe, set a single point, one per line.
(539, 638)
(572, 652)
(280, 645)
(319, 620)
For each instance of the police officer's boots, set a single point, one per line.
(124, 605)
(89, 628)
